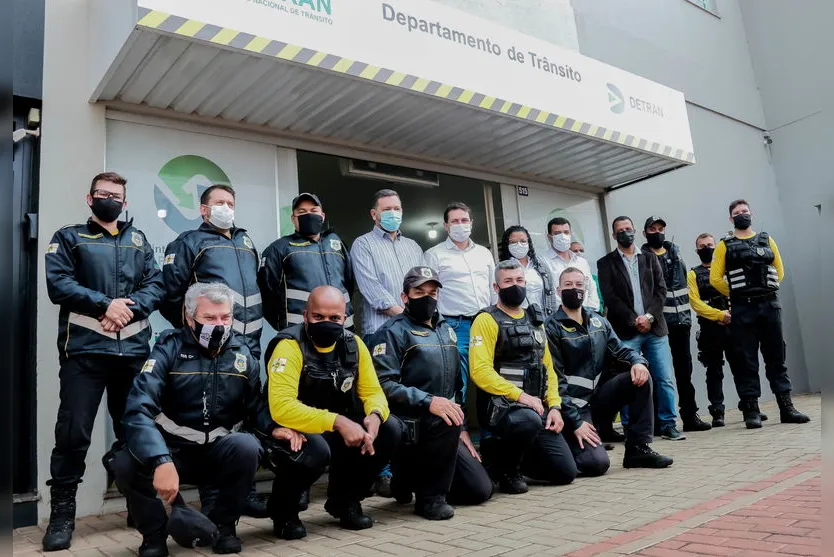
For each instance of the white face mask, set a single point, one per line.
(222, 216)
(519, 249)
(561, 242)
(460, 232)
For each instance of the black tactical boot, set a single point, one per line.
(610, 435)
(718, 418)
(61, 518)
(693, 422)
(382, 486)
(227, 542)
(289, 528)
(255, 506)
(750, 409)
(304, 501)
(154, 545)
(641, 455)
(787, 413)
(350, 515)
(434, 508)
(512, 484)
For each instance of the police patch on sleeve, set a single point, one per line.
(137, 239)
(596, 322)
(148, 367)
(379, 349)
(240, 362)
(278, 365)
(476, 341)
(248, 243)
(169, 259)
(335, 245)
(52, 248)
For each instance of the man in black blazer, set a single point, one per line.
(634, 291)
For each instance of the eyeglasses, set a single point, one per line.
(101, 194)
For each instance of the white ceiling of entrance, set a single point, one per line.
(188, 77)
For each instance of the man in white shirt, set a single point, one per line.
(560, 257)
(466, 271)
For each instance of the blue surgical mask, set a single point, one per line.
(390, 220)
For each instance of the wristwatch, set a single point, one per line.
(650, 317)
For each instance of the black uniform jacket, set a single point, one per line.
(581, 352)
(183, 397)
(86, 269)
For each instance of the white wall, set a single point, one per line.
(785, 46)
(72, 152)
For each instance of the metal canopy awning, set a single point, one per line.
(188, 67)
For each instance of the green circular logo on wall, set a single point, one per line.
(182, 181)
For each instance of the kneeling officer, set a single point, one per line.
(518, 402)
(183, 413)
(419, 366)
(322, 384)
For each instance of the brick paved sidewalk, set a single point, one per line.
(727, 487)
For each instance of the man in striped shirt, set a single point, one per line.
(381, 258)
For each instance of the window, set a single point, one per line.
(709, 5)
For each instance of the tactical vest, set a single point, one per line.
(749, 266)
(519, 352)
(708, 292)
(676, 308)
(329, 381)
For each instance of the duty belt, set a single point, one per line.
(753, 299)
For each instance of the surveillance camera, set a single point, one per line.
(768, 140)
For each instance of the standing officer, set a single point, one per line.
(296, 264)
(104, 276)
(676, 312)
(218, 251)
(753, 269)
(580, 342)
(322, 384)
(519, 406)
(560, 256)
(419, 368)
(199, 385)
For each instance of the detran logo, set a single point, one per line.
(616, 100)
(183, 181)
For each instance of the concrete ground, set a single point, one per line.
(730, 492)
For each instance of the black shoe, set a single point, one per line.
(350, 515)
(289, 528)
(787, 413)
(608, 446)
(695, 423)
(255, 506)
(61, 518)
(435, 508)
(304, 501)
(513, 484)
(227, 541)
(718, 419)
(642, 456)
(671, 433)
(154, 545)
(109, 463)
(382, 486)
(610, 435)
(750, 410)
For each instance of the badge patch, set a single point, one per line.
(476, 341)
(379, 349)
(240, 362)
(137, 239)
(148, 367)
(538, 337)
(426, 272)
(52, 248)
(248, 243)
(335, 245)
(760, 251)
(347, 384)
(169, 259)
(596, 322)
(278, 365)
(452, 336)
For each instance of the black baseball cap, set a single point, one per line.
(189, 527)
(305, 197)
(651, 220)
(418, 276)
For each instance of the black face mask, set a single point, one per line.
(655, 239)
(211, 337)
(625, 238)
(106, 210)
(572, 298)
(310, 224)
(421, 309)
(325, 333)
(512, 296)
(705, 254)
(743, 221)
